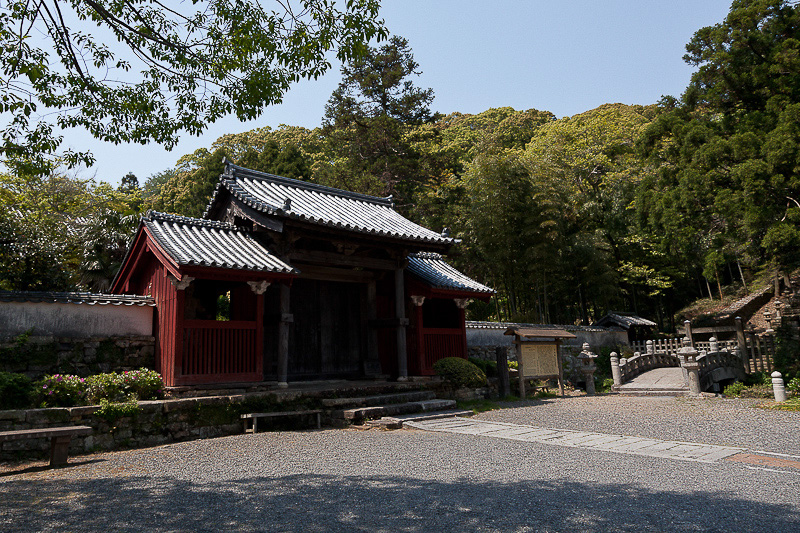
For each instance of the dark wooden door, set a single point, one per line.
(327, 338)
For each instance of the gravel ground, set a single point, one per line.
(351, 480)
(726, 422)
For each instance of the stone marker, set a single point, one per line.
(777, 387)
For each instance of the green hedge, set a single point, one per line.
(460, 372)
(16, 391)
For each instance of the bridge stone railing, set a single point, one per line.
(710, 366)
(631, 367)
(719, 366)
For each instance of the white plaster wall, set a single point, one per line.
(75, 320)
(496, 337)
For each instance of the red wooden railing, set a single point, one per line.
(440, 343)
(212, 348)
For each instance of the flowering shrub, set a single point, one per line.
(61, 390)
(145, 384)
(67, 391)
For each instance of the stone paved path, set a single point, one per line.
(685, 451)
(658, 379)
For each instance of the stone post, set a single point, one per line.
(777, 387)
(691, 367)
(687, 331)
(588, 367)
(713, 345)
(501, 356)
(615, 372)
(650, 348)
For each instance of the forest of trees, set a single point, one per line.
(622, 207)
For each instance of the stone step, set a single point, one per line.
(396, 422)
(359, 414)
(380, 399)
(656, 392)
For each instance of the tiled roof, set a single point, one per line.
(433, 270)
(86, 298)
(539, 333)
(193, 241)
(326, 206)
(477, 324)
(625, 320)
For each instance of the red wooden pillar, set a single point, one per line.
(177, 352)
(420, 341)
(259, 351)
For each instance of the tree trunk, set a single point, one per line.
(744, 283)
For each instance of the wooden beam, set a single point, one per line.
(330, 258)
(335, 274)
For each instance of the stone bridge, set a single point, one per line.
(685, 372)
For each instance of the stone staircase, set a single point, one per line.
(389, 410)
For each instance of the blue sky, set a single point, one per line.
(564, 57)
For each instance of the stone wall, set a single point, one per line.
(157, 422)
(38, 356)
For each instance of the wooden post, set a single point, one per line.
(180, 303)
(742, 342)
(372, 364)
(418, 303)
(259, 355)
(400, 313)
(520, 369)
(560, 369)
(283, 336)
(501, 356)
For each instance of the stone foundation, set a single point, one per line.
(39, 356)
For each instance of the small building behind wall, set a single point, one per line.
(317, 283)
(636, 327)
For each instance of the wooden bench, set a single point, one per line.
(253, 418)
(59, 439)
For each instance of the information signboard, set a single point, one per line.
(539, 360)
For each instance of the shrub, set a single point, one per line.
(794, 385)
(67, 391)
(16, 391)
(605, 385)
(734, 389)
(111, 412)
(757, 391)
(489, 367)
(145, 384)
(60, 390)
(104, 387)
(460, 372)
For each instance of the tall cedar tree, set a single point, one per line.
(728, 151)
(368, 117)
